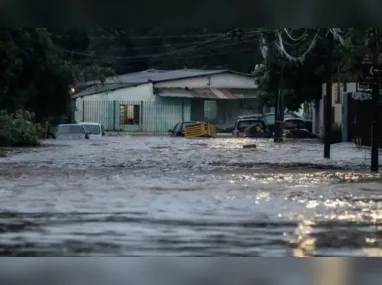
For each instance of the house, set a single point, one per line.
(155, 100)
(351, 110)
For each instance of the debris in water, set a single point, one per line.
(249, 146)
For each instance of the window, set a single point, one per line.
(129, 114)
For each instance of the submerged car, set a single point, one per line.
(178, 130)
(251, 128)
(70, 131)
(296, 128)
(94, 129)
(252, 116)
(269, 119)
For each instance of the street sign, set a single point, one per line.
(366, 75)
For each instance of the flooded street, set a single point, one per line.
(160, 196)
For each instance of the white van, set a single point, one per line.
(94, 129)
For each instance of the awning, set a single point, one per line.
(208, 93)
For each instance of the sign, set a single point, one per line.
(366, 75)
(359, 96)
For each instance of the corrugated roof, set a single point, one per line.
(150, 75)
(99, 88)
(212, 93)
(158, 75)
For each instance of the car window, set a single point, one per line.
(70, 129)
(92, 129)
(294, 124)
(242, 125)
(176, 128)
(269, 119)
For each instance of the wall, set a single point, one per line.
(337, 104)
(154, 116)
(142, 92)
(225, 80)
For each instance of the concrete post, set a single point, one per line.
(345, 116)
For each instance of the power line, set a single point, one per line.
(167, 45)
(146, 37)
(203, 55)
(155, 37)
(150, 55)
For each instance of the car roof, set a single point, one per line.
(250, 119)
(294, 119)
(61, 125)
(89, 123)
(254, 114)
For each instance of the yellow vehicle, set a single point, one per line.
(200, 129)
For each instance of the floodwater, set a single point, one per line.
(156, 196)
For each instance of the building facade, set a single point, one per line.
(155, 100)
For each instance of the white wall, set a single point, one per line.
(225, 80)
(350, 87)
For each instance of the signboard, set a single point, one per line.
(361, 96)
(366, 75)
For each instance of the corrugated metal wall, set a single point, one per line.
(157, 117)
(160, 115)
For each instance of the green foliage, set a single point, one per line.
(303, 81)
(18, 129)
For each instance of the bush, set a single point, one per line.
(18, 129)
(336, 136)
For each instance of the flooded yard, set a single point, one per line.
(172, 196)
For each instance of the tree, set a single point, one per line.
(306, 58)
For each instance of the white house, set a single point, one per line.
(155, 100)
(346, 102)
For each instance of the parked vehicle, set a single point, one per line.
(254, 128)
(70, 131)
(296, 128)
(251, 116)
(178, 130)
(269, 119)
(94, 129)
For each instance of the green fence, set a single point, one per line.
(156, 116)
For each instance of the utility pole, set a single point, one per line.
(328, 98)
(277, 111)
(375, 100)
(281, 102)
(279, 106)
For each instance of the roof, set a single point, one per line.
(99, 88)
(213, 93)
(158, 75)
(146, 76)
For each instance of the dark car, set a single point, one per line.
(252, 116)
(71, 131)
(178, 130)
(269, 119)
(250, 128)
(296, 128)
